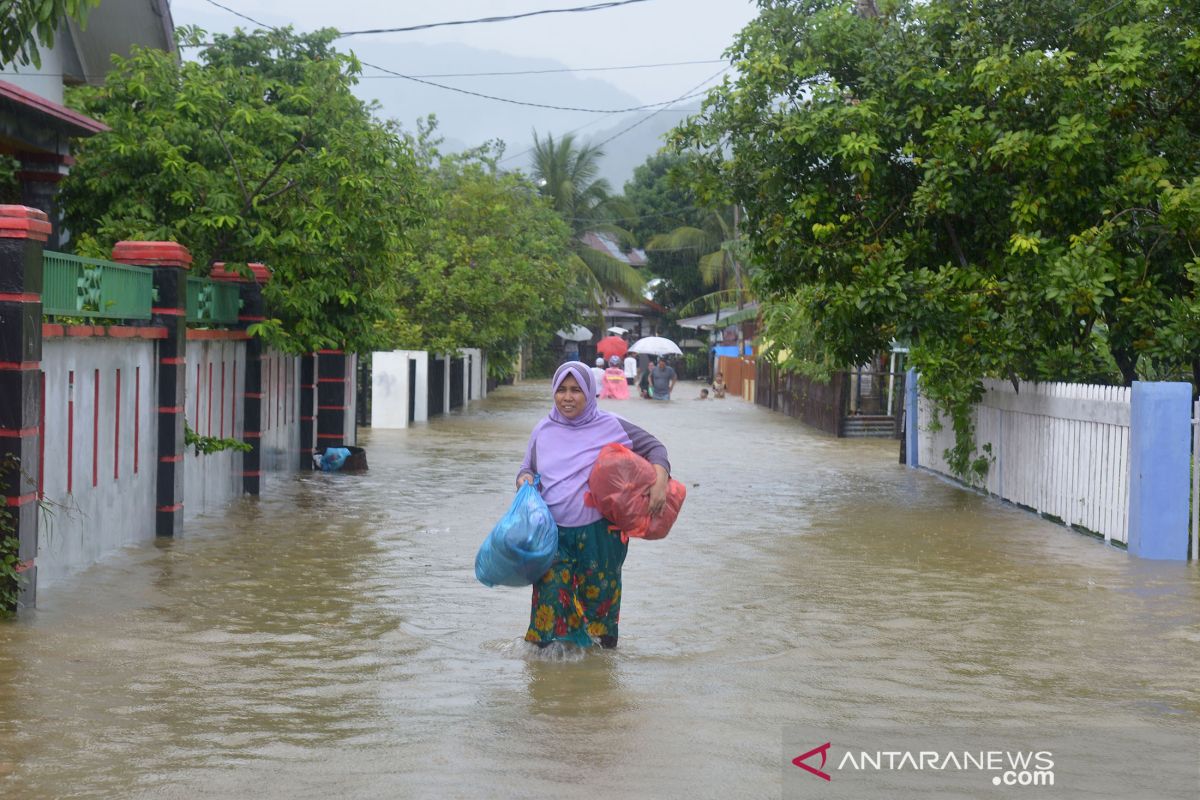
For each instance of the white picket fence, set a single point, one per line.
(1061, 449)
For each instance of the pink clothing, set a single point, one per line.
(614, 385)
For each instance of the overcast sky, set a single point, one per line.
(649, 32)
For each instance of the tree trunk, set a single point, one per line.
(1127, 363)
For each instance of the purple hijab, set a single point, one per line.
(562, 451)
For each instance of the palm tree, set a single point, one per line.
(719, 250)
(566, 174)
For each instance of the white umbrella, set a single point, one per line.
(618, 330)
(578, 333)
(656, 346)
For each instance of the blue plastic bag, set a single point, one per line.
(523, 544)
(334, 458)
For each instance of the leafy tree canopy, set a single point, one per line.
(24, 24)
(493, 267)
(1011, 187)
(659, 198)
(566, 174)
(257, 152)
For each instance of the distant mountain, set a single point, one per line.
(466, 120)
(630, 149)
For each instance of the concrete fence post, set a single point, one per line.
(23, 232)
(331, 398)
(250, 294)
(911, 396)
(170, 262)
(1160, 426)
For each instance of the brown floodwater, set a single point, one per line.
(329, 638)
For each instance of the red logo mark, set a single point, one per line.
(799, 761)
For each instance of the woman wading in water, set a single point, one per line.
(579, 599)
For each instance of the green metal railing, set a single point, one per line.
(75, 286)
(212, 302)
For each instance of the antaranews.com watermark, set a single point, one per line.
(1158, 763)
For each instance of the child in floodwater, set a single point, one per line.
(579, 599)
(718, 386)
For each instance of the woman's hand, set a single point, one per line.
(523, 479)
(658, 491)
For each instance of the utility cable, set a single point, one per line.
(509, 100)
(530, 104)
(506, 18)
(689, 94)
(551, 71)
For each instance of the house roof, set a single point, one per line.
(51, 114)
(114, 28)
(726, 316)
(608, 244)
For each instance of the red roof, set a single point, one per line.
(80, 124)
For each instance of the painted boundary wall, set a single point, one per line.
(401, 393)
(93, 415)
(1110, 460)
(100, 449)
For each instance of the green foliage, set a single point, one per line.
(211, 444)
(30, 22)
(492, 268)
(659, 200)
(10, 187)
(565, 174)
(10, 561)
(1010, 187)
(11, 578)
(259, 151)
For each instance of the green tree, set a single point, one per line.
(718, 255)
(28, 23)
(259, 151)
(659, 199)
(1011, 187)
(566, 175)
(493, 267)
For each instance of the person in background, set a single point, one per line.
(643, 377)
(718, 386)
(631, 369)
(614, 381)
(579, 599)
(598, 374)
(662, 379)
(703, 394)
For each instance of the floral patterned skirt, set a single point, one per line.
(579, 599)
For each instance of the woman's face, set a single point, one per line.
(569, 399)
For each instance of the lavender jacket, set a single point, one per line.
(564, 458)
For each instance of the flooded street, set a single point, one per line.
(329, 638)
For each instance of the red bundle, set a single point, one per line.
(618, 486)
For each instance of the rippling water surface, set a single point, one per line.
(329, 638)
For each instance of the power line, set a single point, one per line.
(646, 118)
(689, 94)
(506, 18)
(498, 99)
(530, 104)
(550, 71)
(240, 14)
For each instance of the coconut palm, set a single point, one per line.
(566, 174)
(719, 258)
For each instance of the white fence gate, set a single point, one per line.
(1061, 449)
